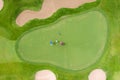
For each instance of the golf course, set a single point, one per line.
(59, 40)
(84, 39)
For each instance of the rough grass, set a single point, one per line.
(10, 11)
(12, 8)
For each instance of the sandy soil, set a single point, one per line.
(45, 75)
(1, 4)
(48, 8)
(97, 74)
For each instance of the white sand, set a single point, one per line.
(45, 75)
(48, 8)
(1, 4)
(97, 74)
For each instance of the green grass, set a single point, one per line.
(7, 51)
(13, 8)
(84, 41)
(116, 76)
(18, 71)
(23, 71)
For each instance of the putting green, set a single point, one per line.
(84, 35)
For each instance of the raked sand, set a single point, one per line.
(48, 8)
(97, 74)
(1, 4)
(45, 75)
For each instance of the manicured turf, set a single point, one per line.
(24, 71)
(13, 8)
(7, 51)
(84, 36)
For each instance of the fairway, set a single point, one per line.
(7, 51)
(84, 35)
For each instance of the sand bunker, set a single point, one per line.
(48, 8)
(1, 4)
(97, 74)
(45, 75)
